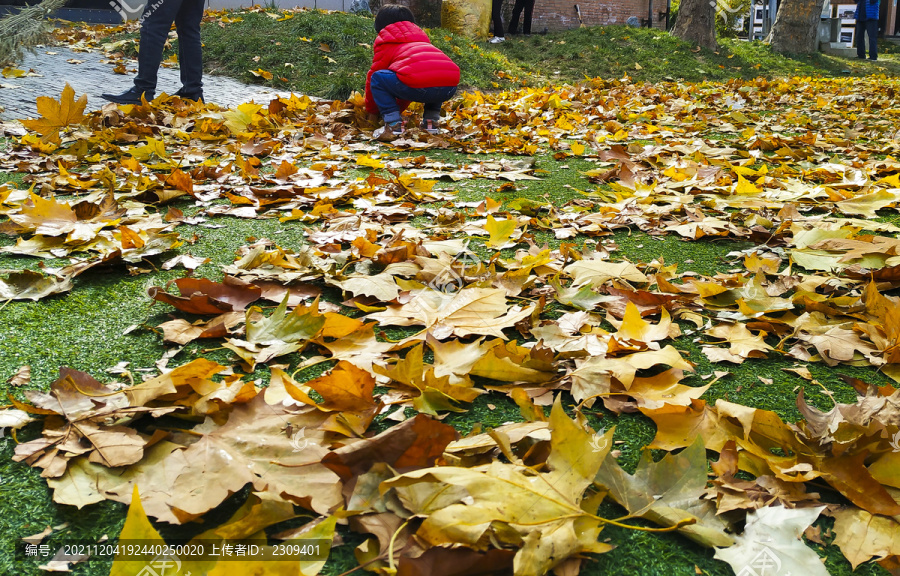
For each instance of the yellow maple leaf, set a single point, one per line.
(745, 186)
(56, 114)
(500, 231)
(39, 144)
(237, 119)
(10, 72)
(145, 152)
(373, 163)
(260, 73)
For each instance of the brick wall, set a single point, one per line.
(550, 14)
(561, 14)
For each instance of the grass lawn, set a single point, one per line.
(107, 317)
(328, 56)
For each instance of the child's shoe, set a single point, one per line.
(431, 126)
(388, 132)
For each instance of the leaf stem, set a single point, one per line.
(680, 524)
(391, 546)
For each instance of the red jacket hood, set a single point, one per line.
(401, 32)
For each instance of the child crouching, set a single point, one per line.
(406, 67)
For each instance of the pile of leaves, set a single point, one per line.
(484, 307)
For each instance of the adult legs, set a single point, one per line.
(514, 19)
(157, 20)
(872, 33)
(190, 50)
(529, 8)
(496, 8)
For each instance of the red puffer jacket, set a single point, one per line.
(404, 48)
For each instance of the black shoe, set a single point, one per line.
(873, 59)
(132, 96)
(197, 97)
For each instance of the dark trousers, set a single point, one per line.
(870, 28)
(496, 8)
(528, 6)
(155, 24)
(387, 89)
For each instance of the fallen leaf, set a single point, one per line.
(668, 493)
(771, 539)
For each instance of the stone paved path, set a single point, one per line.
(93, 77)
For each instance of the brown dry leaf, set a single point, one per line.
(664, 388)
(804, 459)
(297, 294)
(509, 362)
(83, 409)
(436, 393)
(252, 447)
(380, 286)
(846, 423)
(736, 494)
(181, 332)
(678, 426)
(862, 536)
(412, 444)
(347, 391)
(597, 272)
(47, 217)
(30, 285)
(195, 374)
(357, 345)
(762, 262)
(837, 344)
(593, 376)
(520, 438)
(21, 377)
(540, 513)
(201, 296)
(448, 562)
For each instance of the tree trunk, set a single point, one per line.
(796, 27)
(696, 23)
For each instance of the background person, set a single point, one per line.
(866, 25)
(497, 18)
(528, 6)
(156, 22)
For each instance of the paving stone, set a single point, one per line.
(92, 76)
